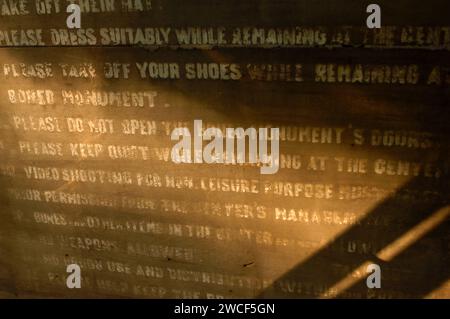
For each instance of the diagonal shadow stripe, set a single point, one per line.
(419, 276)
(431, 268)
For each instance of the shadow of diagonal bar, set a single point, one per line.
(413, 251)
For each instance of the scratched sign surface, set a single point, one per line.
(87, 178)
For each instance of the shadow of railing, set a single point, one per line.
(415, 270)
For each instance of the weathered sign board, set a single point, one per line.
(86, 175)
